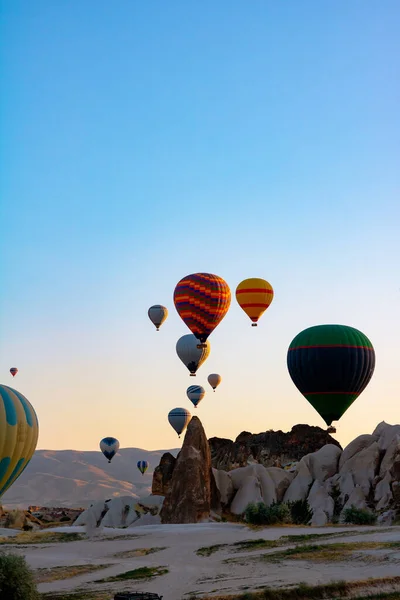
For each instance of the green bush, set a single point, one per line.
(16, 579)
(358, 516)
(261, 514)
(301, 512)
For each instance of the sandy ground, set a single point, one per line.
(190, 573)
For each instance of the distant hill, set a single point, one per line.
(70, 478)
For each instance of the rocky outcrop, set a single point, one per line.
(123, 511)
(271, 448)
(365, 475)
(190, 496)
(163, 474)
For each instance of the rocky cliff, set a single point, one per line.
(271, 448)
(192, 490)
(366, 475)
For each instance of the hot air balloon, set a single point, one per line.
(190, 354)
(19, 430)
(214, 380)
(202, 300)
(13, 371)
(109, 447)
(195, 393)
(142, 465)
(179, 419)
(157, 315)
(254, 295)
(331, 365)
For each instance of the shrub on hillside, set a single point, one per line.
(301, 512)
(261, 514)
(16, 579)
(358, 516)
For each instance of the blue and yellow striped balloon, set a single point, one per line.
(142, 465)
(19, 430)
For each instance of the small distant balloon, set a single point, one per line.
(157, 315)
(191, 355)
(179, 419)
(254, 295)
(195, 393)
(214, 380)
(13, 371)
(109, 447)
(142, 465)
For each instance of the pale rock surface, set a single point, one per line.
(298, 489)
(121, 512)
(147, 519)
(321, 503)
(358, 444)
(268, 490)
(386, 518)
(380, 428)
(387, 435)
(391, 457)
(346, 486)
(383, 492)
(363, 467)
(282, 479)
(95, 511)
(357, 499)
(224, 484)
(249, 493)
(323, 463)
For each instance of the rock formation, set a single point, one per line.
(192, 493)
(123, 511)
(365, 475)
(271, 449)
(163, 474)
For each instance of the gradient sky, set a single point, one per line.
(142, 141)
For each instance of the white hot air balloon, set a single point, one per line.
(179, 419)
(109, 447)
(157, 315)
(195, 393)
(190, 354)
(214, 380)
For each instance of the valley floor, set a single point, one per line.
(213, 559)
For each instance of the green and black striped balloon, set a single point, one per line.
(331, 365)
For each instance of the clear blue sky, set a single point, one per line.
(142, 141)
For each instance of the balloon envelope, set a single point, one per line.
(254, 295)
(331, 365)
(189, 353)
(214, 380)
(19, 430)
(157, 315)
(202, 300)
(178, 419)
(195, 393)
(13, 371)
(109, 447)
(142, 465)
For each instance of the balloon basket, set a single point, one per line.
(192, 374)
(331, 429)
(254, 324)
(200, 346)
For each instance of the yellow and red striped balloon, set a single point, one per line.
(254, 295)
